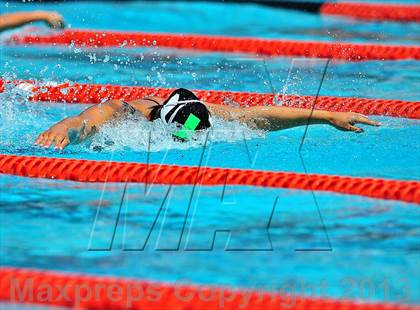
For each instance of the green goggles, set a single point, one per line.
(188, 129)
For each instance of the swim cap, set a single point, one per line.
(185, 109)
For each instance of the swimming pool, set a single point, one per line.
(354, 242)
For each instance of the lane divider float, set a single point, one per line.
(81, 170)
(403, 13)
(97, 93)
(82, 291)
(373, 11)
(212, 43)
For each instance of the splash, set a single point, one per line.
(13, 112)
(142, 135)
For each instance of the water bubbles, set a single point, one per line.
(44, 70)
(15, 112)
(106, 59)
(92, 58)
(161, 79)
(43, 90)
(9, 76)
(69, 82)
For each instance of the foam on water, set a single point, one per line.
(140, 134)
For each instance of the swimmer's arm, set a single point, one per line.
(13, 20)
(276, 118)
(85, 124)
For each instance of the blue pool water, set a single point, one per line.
(57, 224)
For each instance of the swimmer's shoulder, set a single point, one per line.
(144, 105)
(147, 101)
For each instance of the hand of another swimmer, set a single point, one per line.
(53, 19)
(57, 135)
(346, 121)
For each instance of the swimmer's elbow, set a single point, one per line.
(113, 104)
(103, 111)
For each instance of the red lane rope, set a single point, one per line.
(81, 291)
(109, 171)
(270, 47)
(373, 11)
(95, 93)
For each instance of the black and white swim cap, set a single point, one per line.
(181, 107)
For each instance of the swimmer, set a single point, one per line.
(184, 109)
(14, 20)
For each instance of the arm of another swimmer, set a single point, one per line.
(86, 123)
(13, 20)
(276, 118)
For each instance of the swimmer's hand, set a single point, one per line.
(57, 135)
(53, 19)
(346, 121)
